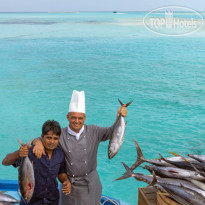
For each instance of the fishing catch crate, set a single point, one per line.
(163, 199)
(151, 196)
(147, 196)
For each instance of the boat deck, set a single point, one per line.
(11, 188)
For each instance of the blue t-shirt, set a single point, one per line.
(45, 172)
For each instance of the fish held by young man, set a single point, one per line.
(118, 134)
(26, 177)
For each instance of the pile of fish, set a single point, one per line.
(6, 199)
(182, 177)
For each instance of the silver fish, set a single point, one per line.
(160, 181)
(118, 135)
(160, 162)
(4, 198)
(174, 173)
(183, 195)
(199, 184)
(182, 191)
(188, 163)
(200, 158)
(139, 177)
(26, 177)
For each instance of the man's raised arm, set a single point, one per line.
(12, 157)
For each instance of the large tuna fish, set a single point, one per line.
(173, 172)
(26, 177)
(118, 135)
(178, 161)
(158, 182)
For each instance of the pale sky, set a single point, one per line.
(94, 5)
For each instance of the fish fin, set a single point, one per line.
(187, 161)
(127, 174)
(181, 185)
(140, 157)
(2, 192)
(175, 154)
(161, 157)
(197, 172)
(126, 123)
(120, 102)
(149, 168)
(20, 141)
(29, 142)
(154, 180)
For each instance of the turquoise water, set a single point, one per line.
(43, 57)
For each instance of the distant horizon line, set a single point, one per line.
(113, 11)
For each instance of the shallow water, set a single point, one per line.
(43, 57)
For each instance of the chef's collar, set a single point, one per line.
(77, 135)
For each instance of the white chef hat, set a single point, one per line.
(77, 103)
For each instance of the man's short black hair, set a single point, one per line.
(51, 125)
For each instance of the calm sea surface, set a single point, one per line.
(44, 56)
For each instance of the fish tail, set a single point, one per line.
(29, 142)
(129, 103)
(126, 104)
(140, 157)
(120, 102)
(127, 174)
(20, 141)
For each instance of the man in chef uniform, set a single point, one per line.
(80, 144)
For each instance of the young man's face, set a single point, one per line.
(50, 140)
(76, 120)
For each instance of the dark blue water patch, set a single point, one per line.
(30, 22)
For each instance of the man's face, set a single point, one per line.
(76, 120)
(50, 140)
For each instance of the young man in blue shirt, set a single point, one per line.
(46, 169)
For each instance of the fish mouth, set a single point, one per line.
(111, 155)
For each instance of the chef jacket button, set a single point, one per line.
(73, 175)
(85, 149)
(85, 162)
(69, 151)
(86, 174)
(84, 136)
(68, 138)
(71, 163)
